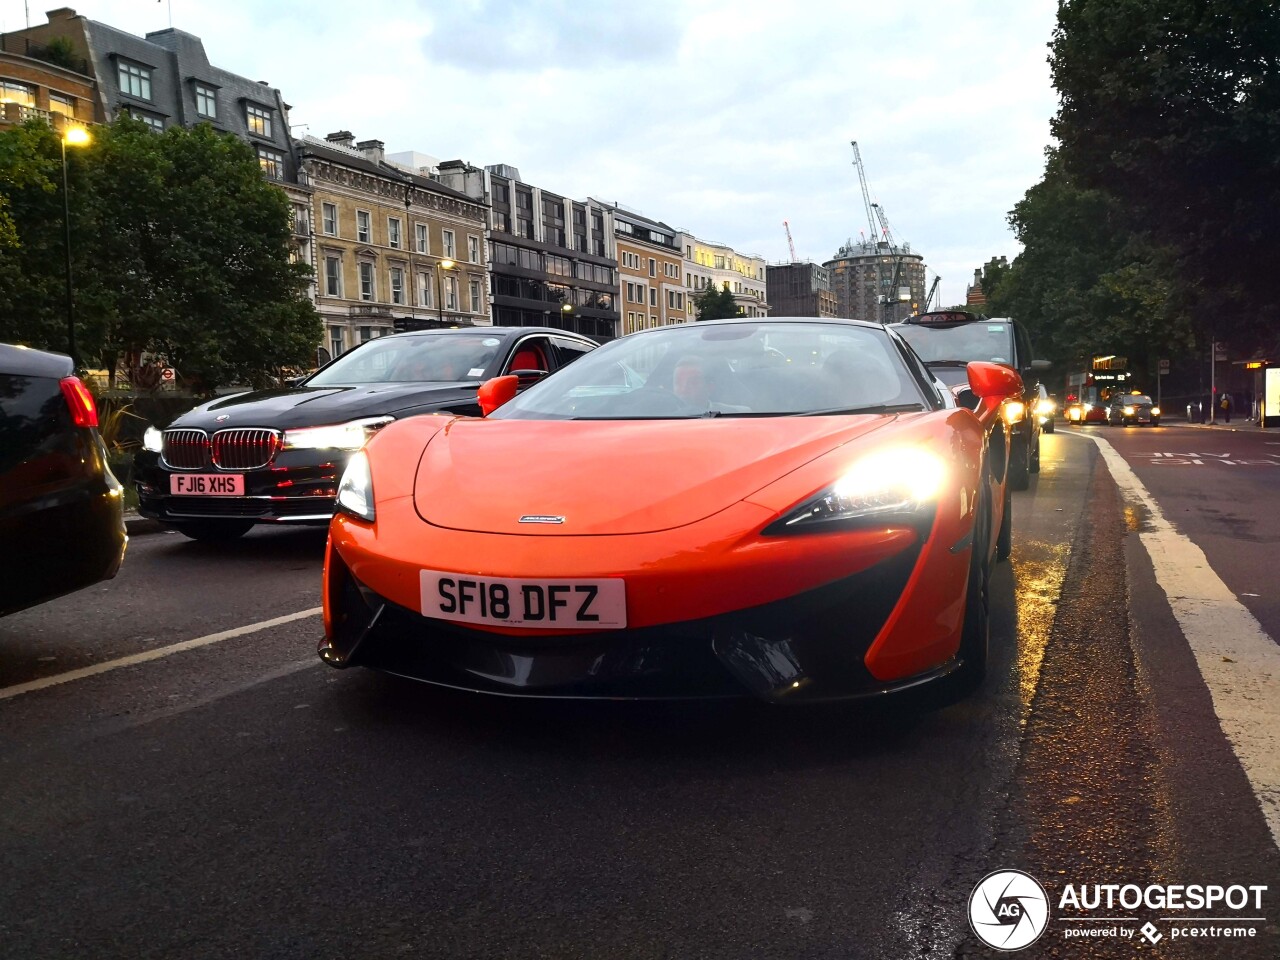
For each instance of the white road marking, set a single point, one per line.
(1239, 662)
(8, 693)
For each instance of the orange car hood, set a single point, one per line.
(609, 477)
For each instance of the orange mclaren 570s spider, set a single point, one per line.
(791, 509)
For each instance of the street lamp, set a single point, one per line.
(76, 137)
(445, 264)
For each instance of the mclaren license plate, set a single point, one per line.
(543, 604)
(206, 484)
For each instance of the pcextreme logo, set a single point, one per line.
(1008, 910)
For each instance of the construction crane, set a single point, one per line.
(884, 226)
(928, 301)
(866, 194)
(790, 242)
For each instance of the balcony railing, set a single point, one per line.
(370, 311)
(25, 48)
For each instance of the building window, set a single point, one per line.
(335, 341)
(653, 296)
(397, 285)
(451, 293)
(449, 249)
(259, 119)
(206, 101)
(473, 249)
(332, 277)
(524, 228)
(393, 232)
(420, 238)
(501, 221)
(653, 267)
(366, 334)
(155, 123)
(272, 164)
(424, 290)
(524, 200)
(329, 219)
(135, 80)
(362, 226)
(475, 297)
(366, 281)
(63, 106)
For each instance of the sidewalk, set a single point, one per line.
(136, 525)
(1235, 424)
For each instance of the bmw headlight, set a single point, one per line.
(900, 482)
(337, 436)
(153, 440)
(355, 490)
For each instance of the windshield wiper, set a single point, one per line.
(947, 363)
(879, 408)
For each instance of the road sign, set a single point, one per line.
(1219, 351)
(1164, 366)
(167, 375)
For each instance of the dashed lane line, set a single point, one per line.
(1239, 661)
(8, 693)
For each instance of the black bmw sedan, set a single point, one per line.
(275, 456)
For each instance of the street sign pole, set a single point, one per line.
(1213, 386)
(1161, 369)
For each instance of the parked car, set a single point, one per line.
(275, 456)
(948, 340)
(61, 510)
(787, 509)
(1129, 409)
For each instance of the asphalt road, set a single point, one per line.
(238, 799)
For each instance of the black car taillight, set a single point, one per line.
(80, 402)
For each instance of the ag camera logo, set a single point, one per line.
(1008, 910)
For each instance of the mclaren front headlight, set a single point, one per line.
(1014, 410)
(355, 490)
(335, 436)
(903, 482)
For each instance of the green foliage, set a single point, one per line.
(62, 52)
(1083, 283)
(180, 249)
(715, 303)
(1172, 108)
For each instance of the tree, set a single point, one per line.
(1084, 283)
(181, 250)
(1172, 108)
(715, 303)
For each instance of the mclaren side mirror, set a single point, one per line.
(494, 393)
(1040, 366)
(993, 380)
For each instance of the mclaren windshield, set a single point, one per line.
(742, 368)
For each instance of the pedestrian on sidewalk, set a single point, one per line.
(1225, 406)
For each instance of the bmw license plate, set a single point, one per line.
(544, 604)
(206, 484)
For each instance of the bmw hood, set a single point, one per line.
(314, 406)
(611, 477)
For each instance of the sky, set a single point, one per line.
(722, 118)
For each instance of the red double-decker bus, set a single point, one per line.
(1089, 390)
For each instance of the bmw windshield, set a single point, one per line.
(782, 368)
(444, 357)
